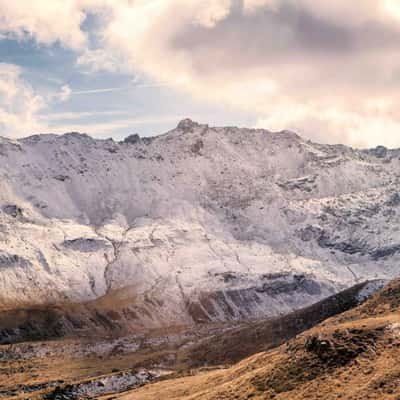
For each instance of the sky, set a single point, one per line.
(329, 70)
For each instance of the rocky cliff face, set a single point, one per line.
(199, 224)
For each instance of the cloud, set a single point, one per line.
(19, 105)
(336, 11)
(316, 66)
(252, 6)
(312, 66)
(213, 12)
(45, 20)
(99, 90)
(65, 93)
(133, 85)
(23, 111)
(362, 129)
(76, 115)
(99, 60)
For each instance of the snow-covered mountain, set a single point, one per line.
(199, 224)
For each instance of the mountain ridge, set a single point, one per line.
(219, 223)
(188, 124)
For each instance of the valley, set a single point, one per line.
(89, 366)
(151, 261)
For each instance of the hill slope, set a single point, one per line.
(351, 356)
(90, 365)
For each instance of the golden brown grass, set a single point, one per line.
(354, 356)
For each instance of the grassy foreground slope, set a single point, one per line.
(355, 355)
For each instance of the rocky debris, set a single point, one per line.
(322, 237)
(343, 346)
(158, 157)
(109, 384)
(330, 352)
(394, 200)
(77, 137)
(13, 260)
(353, 247)
(197, 146)
(6, 145)
(112, 148)
(289, 135)
(385, 252)
(187, 125)
(86, 245)
(12, 210)
(311, 233)
(147, 140)
(132, 139)
(290, 284)
(304, 183)
(379, 152)
(316, 356)
(61, 178)
(228, 276)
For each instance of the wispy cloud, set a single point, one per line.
(100, 90)
(76, 115)
(118, 88)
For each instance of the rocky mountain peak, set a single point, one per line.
(132, 139)
(187, 124)
(290, 134)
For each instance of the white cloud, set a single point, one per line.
(361, 129)
(99, 90)
(19, 105)
(133, 85)
(45, 20)
(342, 11)
(65, 93)
(211, 12)
(252, 6)
(23, 111)
(99, 60)
(76, 115)
(315, 65)
(318, 78)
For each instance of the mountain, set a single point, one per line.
(351, 356)
(199, 225)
